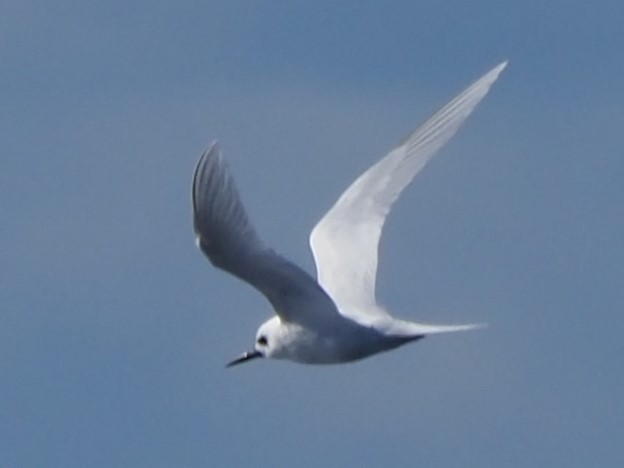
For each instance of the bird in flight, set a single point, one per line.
(334, 318)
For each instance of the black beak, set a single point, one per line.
(244, 357)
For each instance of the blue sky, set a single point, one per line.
(114, 329)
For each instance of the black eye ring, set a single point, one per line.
(262, 341)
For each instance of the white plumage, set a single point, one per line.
(335, 318)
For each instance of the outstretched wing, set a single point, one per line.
(345, 241)
(227, 237)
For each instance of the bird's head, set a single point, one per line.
(266, 344)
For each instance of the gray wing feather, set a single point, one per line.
(227, 237)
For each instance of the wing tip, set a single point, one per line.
(214, 144)
(501, 66)
(497, 70)
(212, 151)
(491, 76)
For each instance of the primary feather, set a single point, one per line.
(345, 241)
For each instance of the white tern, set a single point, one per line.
(335, 318)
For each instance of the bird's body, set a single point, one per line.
(335, 318)
(343, 341)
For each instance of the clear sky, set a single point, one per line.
(114, 329)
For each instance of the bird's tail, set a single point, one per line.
(404, 327)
